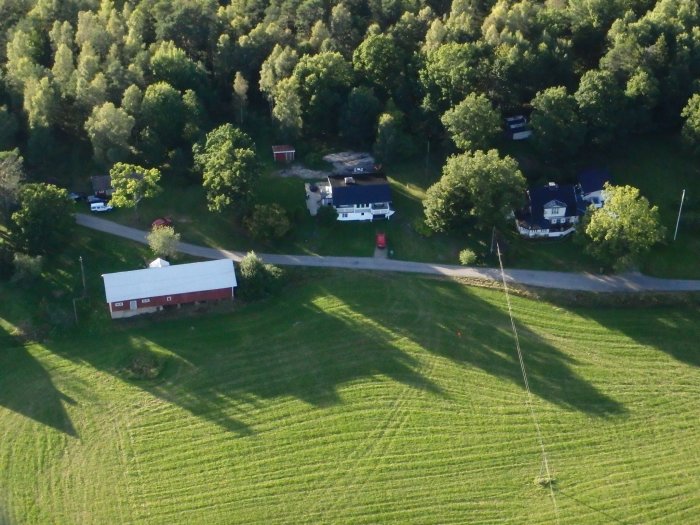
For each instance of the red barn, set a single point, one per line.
(146, 291)
(283, 153)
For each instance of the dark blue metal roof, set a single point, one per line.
(562, 195)
(364, 190)
(593, 179)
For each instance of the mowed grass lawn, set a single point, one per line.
(356, 398)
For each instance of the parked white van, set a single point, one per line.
(99, 206)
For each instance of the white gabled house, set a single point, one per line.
(554, 210)
(360, 197)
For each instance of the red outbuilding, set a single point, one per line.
(283, 153)
(147, 291)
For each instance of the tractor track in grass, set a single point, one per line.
(584, 282)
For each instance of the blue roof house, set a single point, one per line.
(554, 210)
(361, 197)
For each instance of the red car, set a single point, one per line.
(162, 221)
(381, 240)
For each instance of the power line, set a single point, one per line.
(545, 460)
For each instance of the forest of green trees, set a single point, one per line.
(145, 81)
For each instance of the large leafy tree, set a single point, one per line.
(476, 188)
(44, 222)
(359, 117)
(473, 123)
(287, 110)
(132, 184)
(11, 177)
(377, 59)
(229, 169)
(163, 111)
(601, 103)
(624, 229)
(171, 64)
(324, 81)
(691, 127)
(109, 129)
(558, 131)
(451, 72)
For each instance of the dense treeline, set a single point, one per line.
(144, 80)
(151, 82)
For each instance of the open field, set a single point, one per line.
(351, 398)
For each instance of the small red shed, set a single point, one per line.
(284, 153)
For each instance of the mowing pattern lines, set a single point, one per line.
(390, 399)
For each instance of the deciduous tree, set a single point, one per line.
(11, 177)
(109, 129)
(163, 241)
(240, 92)
(324, 81)
(476, 188)
(44, 222)
(229, 169)
(557, 128)
(691, 127)
(133, 183)
(473, 123)
(624, 229)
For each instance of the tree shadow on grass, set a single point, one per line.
(447, 320)
(674, 330)
(222, 368)
(308, 357)
(26, 387)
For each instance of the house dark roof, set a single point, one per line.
(101, 183)
(542, 195)
(592, 180)
(362, 189)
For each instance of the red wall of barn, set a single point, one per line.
(178, 298)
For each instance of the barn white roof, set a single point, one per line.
(169, 280)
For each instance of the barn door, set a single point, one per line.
(132, 305)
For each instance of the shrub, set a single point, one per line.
(258, 279)
(267, 221)
(327, 215)
(421, 228)
(144, 366)
(163, 241)
(467, 257)
(27, 267)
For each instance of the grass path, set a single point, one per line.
(357, 398)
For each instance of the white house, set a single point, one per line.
(360, 197)
(150, 290)
(554, 210)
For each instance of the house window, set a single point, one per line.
(344, 215)
(145, 300)
(118, 304)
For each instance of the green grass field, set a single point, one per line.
(350, 398)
